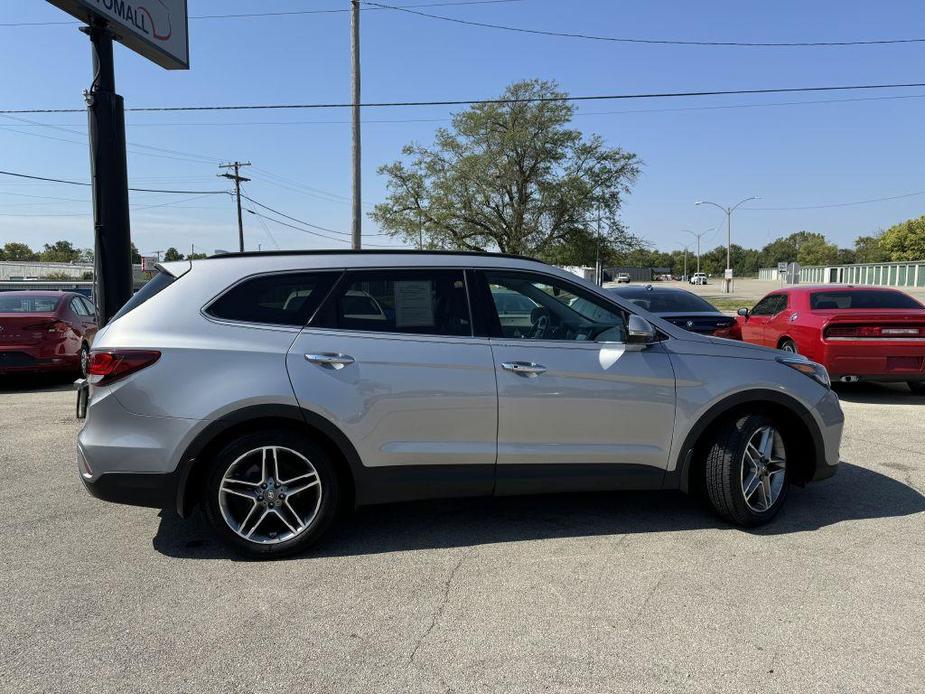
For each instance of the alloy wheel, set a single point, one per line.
(764, 469)
(270, 495)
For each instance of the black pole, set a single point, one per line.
(109, 174)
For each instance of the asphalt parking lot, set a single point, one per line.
(635, 592)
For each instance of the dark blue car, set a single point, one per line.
(680, 307)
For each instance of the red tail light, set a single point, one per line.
(106, 367)
(51, 326)
(867, 331)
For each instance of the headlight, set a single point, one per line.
(815, 371)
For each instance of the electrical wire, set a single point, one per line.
(278, 14)
(294, 219)
(137, 190)
(837, 204)
(472, 102)
(663, 42)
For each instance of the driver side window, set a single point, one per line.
(537, 307)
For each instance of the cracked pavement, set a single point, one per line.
(642, 592)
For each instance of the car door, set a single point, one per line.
(779, 322)
(577, 407)
(390, 359)
(754, 327)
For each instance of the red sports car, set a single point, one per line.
(45, 330)
(857, 333)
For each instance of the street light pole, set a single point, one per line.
(727, 279)
(698, 237)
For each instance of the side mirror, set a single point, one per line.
(639, 331)
(743, 312)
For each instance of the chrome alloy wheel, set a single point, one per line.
(764, 469)
(270, 495)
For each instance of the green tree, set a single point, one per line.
(136, 256)
(906, 240)
(197, 256)
(867, 249)
(60, 252)
(513, 177)
(14, 250)
(815, 250)
(846, 256)
(172, 254)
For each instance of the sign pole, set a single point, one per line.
(109, 175)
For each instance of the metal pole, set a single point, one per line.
(355, 46)
(109, 175)
(237, 194)
(727, 283)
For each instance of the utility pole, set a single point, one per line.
(727, 280)
(237, 178)
(355, 50)
(112, 257)
(598, 263)
(698, 237)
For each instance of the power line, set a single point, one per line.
(837, 204)
(137, 190)
(294, 219)
(470, 102)
(287, 13)
(663, 42)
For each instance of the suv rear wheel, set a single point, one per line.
(746, 470)
(271, 493)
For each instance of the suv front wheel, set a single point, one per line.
(746, 470)
(271, 493)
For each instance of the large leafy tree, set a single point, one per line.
(14, 250)
(60, 252)
(172, 254)
(905, 241)
(867, 249)
(513, 177)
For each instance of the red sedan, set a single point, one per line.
(45, 331)
(857, 333)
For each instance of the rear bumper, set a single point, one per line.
(24, 360)
(137, 489)
(875, 360)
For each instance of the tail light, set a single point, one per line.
(107, 367)
(52, 326)
(868, 331)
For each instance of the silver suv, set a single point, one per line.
(276, 389)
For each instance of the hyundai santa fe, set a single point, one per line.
(274, 390)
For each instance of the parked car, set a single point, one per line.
(622, 278)
(857, 333)
(681, 308)
(45, 331)
(698, 278)
(274, 416)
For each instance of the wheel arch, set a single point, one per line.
(194, 465)
(785, 338)
(802, 430)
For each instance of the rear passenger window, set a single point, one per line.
(425, 302)
(278, 299)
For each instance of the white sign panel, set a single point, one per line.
(782, 267)
(156, 29)
(148, 263)
(728, 273)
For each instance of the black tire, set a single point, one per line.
(917, 387)
(788, 346)
(84, 357)
(723, 471)
(327, 507)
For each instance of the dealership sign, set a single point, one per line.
(156, 29)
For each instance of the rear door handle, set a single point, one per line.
(524, 368)
(333, 360)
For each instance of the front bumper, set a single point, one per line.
(831, 423)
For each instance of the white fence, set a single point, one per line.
(905, 274)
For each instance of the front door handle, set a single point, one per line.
(524, 368)
(333, 360)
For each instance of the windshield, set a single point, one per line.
(668, 302)
(859, 298)
(28, 304)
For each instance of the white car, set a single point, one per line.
(622, 278)
(698, 278)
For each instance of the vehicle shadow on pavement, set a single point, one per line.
(37, 383)
(878, 394)
(855, 493)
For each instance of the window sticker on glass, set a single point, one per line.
(414, 303)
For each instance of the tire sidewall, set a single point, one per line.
(789, 344)
(330, 494)
(748, 426)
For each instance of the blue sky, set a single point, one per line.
(792, 155)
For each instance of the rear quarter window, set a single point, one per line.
(153, 286)
(277, 299)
